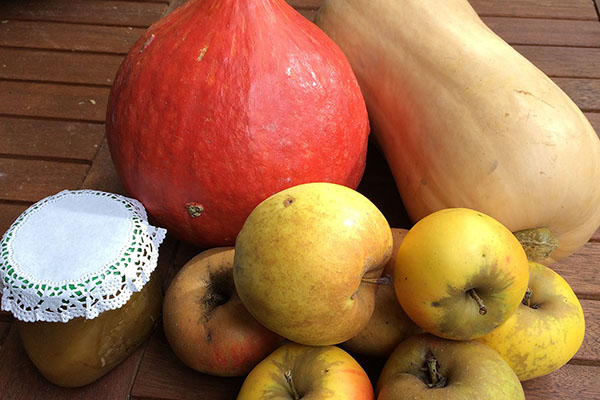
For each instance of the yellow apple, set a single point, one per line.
(460, 273)
(546, 330)
(307, 262)
(428, 367)
(296, 371)
(389, 324)
(206, 324)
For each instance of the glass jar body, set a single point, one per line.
(81, 351)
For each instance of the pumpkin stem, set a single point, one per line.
(289, 380)
(384, 280)
(475, 296)
(538, 243)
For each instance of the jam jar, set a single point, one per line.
(76, 271)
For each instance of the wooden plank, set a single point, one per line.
(102, 174)
(21, 380)
(572, 9)
(84, 12)
(66, 36)
(53, 100)
(185, 252)
(594, 118)
(310, 15)
(596, 236)
(580, 270)
(9, 213)
(555, 32)
(584, 92)
(55, 139)
(162, 376)
(58, 66)
(305, 4)
(591, 342)
(32, 180)
(569, 382)
(564, 61)
(308, 8)
(4, 329)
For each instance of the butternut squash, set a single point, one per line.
(465, 121)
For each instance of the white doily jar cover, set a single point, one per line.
(77, 253)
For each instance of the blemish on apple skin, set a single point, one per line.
(208, 337)
(288, 201)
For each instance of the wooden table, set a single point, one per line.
(57, 62)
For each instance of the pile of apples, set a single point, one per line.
(317, 274)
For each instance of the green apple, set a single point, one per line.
(460, 273)
(308, 259)
(296, 371)
(546, 330)
(428, 367)
(389, 324)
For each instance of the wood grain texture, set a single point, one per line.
(573, 9)
(102, 174)
(305, 4)
(8, 214)
(50, 139)
(555, 32)
(580, 270)
(594, 118)
(21, 380)
(124, 13)
(58, 66)
(82, 103)
(32, 180)
(66, 36)
(309, 14)
(559, 62)
(584, 92)
(591, 342)
(162, 376)
(4, 329)
(568, 383)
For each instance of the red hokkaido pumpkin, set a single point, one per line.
(225, 102)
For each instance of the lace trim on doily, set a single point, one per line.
(108, 288)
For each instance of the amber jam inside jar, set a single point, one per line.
(81, 350)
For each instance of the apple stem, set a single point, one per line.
(384, 280)
(436, 380)
(290, 381)
(527, 299)
(475, 296)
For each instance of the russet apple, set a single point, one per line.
(428, 367)
(389, 324)
(308, 259)
(546, 330)
(296, 371)
(206, 324)
(460, 273)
